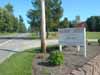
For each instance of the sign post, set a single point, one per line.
(73, 37)
(78, 48)
(60, 48)
(85, 54)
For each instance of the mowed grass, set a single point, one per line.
(54, 35)
(93, 35)
(21, 63)
(18, 64)
(6, 33)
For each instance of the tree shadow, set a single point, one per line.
(46, 64)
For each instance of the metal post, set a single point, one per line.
(60, 48)
(78, 48)
(85, 52)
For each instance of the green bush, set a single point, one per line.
(56, 58)
(99, 41)
(89, 43)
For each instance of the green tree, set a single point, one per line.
(97, 28)
(64, 23)
(70, 24)
(93, 23)
(8, 22)
(21, 26)
(3, 20)
(9, 8)
(54, 12)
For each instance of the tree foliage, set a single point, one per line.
(64, 23)
(8, 22)
(21, 25)
(9, 8)
(93, 23)
(54, 12)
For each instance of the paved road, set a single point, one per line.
(9, 47)
(16, 34)
(3, 40)
(13, 46)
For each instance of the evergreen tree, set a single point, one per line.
(64, 23)
(21, 25)
(8, 22)
(54, 12)
(93, 23)
(9, 8)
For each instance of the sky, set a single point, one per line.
(72, 8)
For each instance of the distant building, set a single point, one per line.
(81, 24)
(77, 19)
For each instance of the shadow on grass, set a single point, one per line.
(39, 50)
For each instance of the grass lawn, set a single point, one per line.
(34, 35)
(21, 62)
(54, 35)
(5, 33)
(18, 64)
(93, 35)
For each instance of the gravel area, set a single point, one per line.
(72, 60)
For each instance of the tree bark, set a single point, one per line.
(43, 27)
(47, 32)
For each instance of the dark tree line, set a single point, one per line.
(93, 23)
(10, 23)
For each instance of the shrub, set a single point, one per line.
(99, 41)
(89, 43)
(56, 58)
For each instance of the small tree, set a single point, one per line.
(99, 41)
(56, 58)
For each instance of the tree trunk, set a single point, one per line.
(43, 27)
(47, 32)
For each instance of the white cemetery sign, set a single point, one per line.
(72, 37)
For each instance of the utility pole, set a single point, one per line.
(43, 27)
